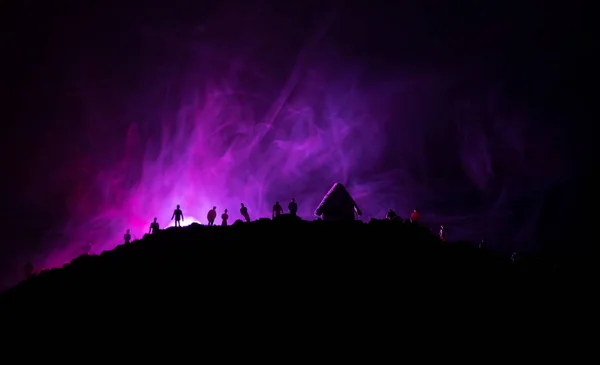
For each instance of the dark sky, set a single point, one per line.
(539, 54)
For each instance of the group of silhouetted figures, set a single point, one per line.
(277, 211)
(337, 205)
(212, 216)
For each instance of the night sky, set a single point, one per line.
(476, 114)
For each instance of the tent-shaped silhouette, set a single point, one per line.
(338, 205)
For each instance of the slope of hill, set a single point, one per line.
(281, 263)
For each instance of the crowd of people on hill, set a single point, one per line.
(211, 216)
(178, 217)
(277, 211)
(386, 249)
(337, 204)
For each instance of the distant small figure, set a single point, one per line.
(244, 212)
(224, 217)
(277, 209)
(293, 207)
(442, 233)
(515, 258)
(415, 217)
(178, 215)
(127, 237)
(154, 227)
(391, 214)
(28, 270)
(211, 216)
(482, 245)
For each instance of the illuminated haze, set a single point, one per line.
(259, 108)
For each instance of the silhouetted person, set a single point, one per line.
(442, 233)
(178, 215)
(293, 207)
(515, 258)
(482, 245)
(154, 227)
(28, 270)
(244, 212)
(127, 237)
(211, 216)
(415, 217)
(224, 217)
(391, 214)
(277, 209)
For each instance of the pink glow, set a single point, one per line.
(215, 150)
(218, 123)
(186, 222)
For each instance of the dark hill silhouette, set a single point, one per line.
(282, 265)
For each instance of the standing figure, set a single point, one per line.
(224, 217)
(211, 216)
(391, 214)
(442, 233)
(293, 207)
(127, 237)
(178, 215)
(244, 213)
(154, 227)
(515, 258)
(277, 209)
(415, 216)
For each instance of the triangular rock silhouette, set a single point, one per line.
(338, 205)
